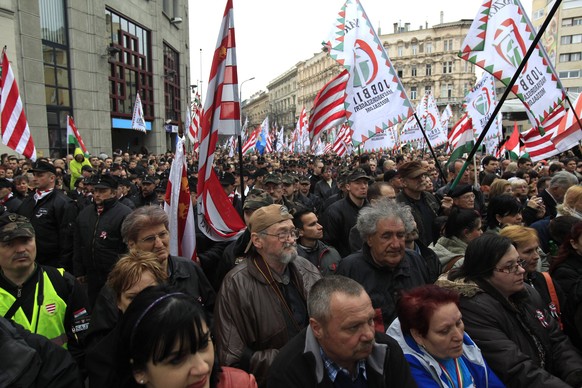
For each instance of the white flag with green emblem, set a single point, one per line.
(480, 103)
(498, 40)
(375, 99)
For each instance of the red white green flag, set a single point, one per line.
(375, 99)
(498, 40)
(74, 137)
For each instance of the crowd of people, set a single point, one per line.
(365, 270)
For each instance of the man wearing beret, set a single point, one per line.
(98, 241)
(262, 302)
(43, 299)
(52, 215)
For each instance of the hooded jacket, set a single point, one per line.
(75, 167)
(448, 249)
(426, 370)
(519, 338)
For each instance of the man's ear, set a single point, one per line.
(316, 327)
(257, 240)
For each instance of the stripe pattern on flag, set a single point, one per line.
(14, 126)
(328, 107)
(217, 218)
(541, 146)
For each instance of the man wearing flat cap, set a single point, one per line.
(339, 218)
(425, 207)
(52, 215)
(147, 195)
(7, 197)
(262, 302)
(98, 241)
(43, 299)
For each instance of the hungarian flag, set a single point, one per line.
(137, 120)
(569, 132)
(462, 138)
(14, 126)
(217, 218)
(178, 206)
(375, 97)
(74, 137)
(512, 144)
(497, 42)
(328, 107)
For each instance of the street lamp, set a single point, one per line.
(240, 89)
(240, 156)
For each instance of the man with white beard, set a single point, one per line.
(262, 302)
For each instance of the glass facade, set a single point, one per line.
(172, 83)
(55, 46)
(130, 66)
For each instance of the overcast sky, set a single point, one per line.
(273, 35)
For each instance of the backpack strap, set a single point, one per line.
(554, 297)
(451, 262)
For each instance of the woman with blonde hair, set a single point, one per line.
(133, 273)
(499, 187)
(572, 205)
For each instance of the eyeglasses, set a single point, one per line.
(284, 236)
(512, 268)
(152, 239)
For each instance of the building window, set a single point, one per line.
(538, 14)
(172, 83)
(400, 73)
(413, 71)
(400, 51)
(468, 67)
(427, 89)
(574, 89)
(569, 74)
(447, 91)
(428, 47)
(130, 68)
(447, 67)
(571, 39)
(570, 57)
(572, 22)
(428, 69)
(447, 45)
(56, 66)
(413, 92)
(414, 49)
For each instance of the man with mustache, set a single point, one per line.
(45, 300)
(261, 304)
(340, 347)
(384, 267)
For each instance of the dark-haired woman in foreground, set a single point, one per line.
(166, 342)
(508, 320)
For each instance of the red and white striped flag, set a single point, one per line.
(343, 141)
(541, 147)
(269, 146)
(569, 132)
(328, 107)
(178, 206)
(217, 218)
(14, 126)
(194, 129)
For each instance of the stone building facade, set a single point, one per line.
(89, 60)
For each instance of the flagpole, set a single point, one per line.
(508, 88)
(436, 161)
(239, 137)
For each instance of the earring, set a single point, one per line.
(142, 382)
